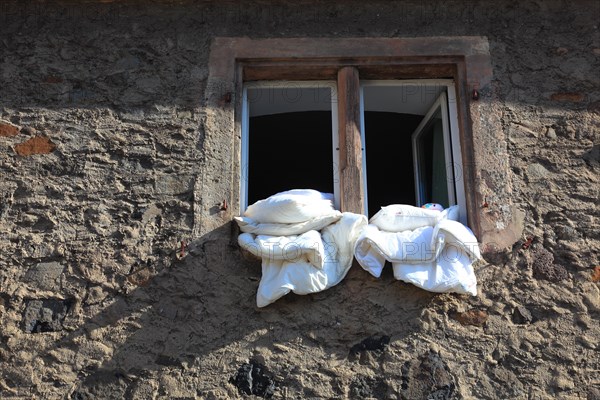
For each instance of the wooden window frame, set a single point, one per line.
(466, 60)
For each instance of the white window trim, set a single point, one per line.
(456, 189)
(457, 163)
(363, 152)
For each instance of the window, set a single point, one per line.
(408, 135)
(236, 61)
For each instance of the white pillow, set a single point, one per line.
(402, 217)
(292, 206)
(450, 213)
(248, 225)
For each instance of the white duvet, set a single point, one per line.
(306, 263)
(306, 246)
(436, 258)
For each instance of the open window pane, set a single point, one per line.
(434, 180)
(289, 140)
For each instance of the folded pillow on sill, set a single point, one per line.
(403, 217)
(248, 225)
(292, 206)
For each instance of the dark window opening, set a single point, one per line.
(390, 168)
(290, 150)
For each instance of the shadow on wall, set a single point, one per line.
(201, 315)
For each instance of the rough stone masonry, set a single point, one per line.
(106, 292)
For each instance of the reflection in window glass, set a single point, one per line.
(432, 163)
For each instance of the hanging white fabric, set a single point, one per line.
(296, 256)
(435, 254)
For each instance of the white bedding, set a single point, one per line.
(292, 206)
(435, 258)
(249, 225)
(306, 263)
(306, 246)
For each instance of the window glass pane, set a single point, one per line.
(289, 140)
(432, 162)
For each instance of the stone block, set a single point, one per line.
(471, 317)
(45, 276)
(7, 130)
(568, 96)
(45, 315)
(173, 185)
(35, 145)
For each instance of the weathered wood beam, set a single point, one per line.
(350, 158)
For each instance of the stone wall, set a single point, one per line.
(107, 290)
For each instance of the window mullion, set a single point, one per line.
(350, 143)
